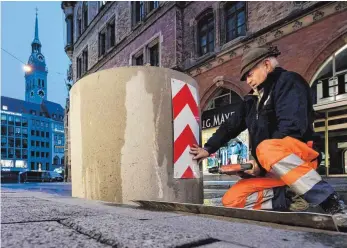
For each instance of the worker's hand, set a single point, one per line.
(198, 152)
(255, 171)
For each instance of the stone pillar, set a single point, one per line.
(121, 133)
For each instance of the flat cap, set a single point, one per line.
(254, 56)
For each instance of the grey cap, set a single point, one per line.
(254, 56)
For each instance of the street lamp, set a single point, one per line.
(27, 68)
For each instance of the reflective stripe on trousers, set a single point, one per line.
(294, 162)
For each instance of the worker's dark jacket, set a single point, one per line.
(284, 110)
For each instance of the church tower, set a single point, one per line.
(36, 77)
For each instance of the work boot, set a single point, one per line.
(336, 207)
(298, 204)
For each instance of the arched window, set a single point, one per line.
(56, 160)
(235, 20)
(206, 33)
(330, 81)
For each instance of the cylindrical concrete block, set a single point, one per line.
(122, 135)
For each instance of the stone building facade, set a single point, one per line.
(207, 40)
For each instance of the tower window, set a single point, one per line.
(235, 14)
(43, 83)
(206, 34)
(39, 82)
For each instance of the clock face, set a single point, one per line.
(41, 93)
(40, 57)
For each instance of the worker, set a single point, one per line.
(279, 116)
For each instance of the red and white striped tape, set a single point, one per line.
(186, 128)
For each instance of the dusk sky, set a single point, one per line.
(17, 33)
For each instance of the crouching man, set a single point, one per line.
(279, 119)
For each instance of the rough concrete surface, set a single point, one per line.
(73, 222)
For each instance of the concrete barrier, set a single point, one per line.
(121, 133)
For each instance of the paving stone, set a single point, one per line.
(44, 235)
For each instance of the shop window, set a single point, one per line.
(3, 141)
(10, 131)
(10, 120)
(235, 20)
(18, 153)
(3, 130)
(11, 142)
(24, 143)
(206, 34)
(10, 153)
(3, 152)
(3, 119)
(24, 122)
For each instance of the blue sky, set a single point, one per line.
(17, 33)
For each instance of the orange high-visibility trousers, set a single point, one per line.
(292, 163)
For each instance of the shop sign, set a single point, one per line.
(216, 117)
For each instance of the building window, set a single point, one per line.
(32, 165)
(18, 143)
(111, 33)
(47, 154)
(37, 133)
(85, 61)
(42, 144)
(47, 166)
(56, 160)
(153, 5)
(33, 143)
(235, 15)
(69, 30)
(206, 34)
(3, 141)
(42, 154)
(18, 153)
(47, 144)
(138, 11)
(3, 119)
(25, 143)
(101, 4)
(39, 82)
(138, 60)
(154, 55)
(18, 132)
(33, 154)
(33, 112)
(10, 120)
(102, 43)
(10, 131)
(10, 153)
(25, 154)
(85, 15)
(33, 132)
(3, 130)
(47, 134)
(79, 27)
(62, 160)
(38, 143)
(37, 154)
(3, 152)
(18, 121)
(11, 142)
(42, 134)
(25, 132)
(24, 122)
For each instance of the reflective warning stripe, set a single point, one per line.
(286, 164)
(260, 200)
(296, 173)
(306, 182)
